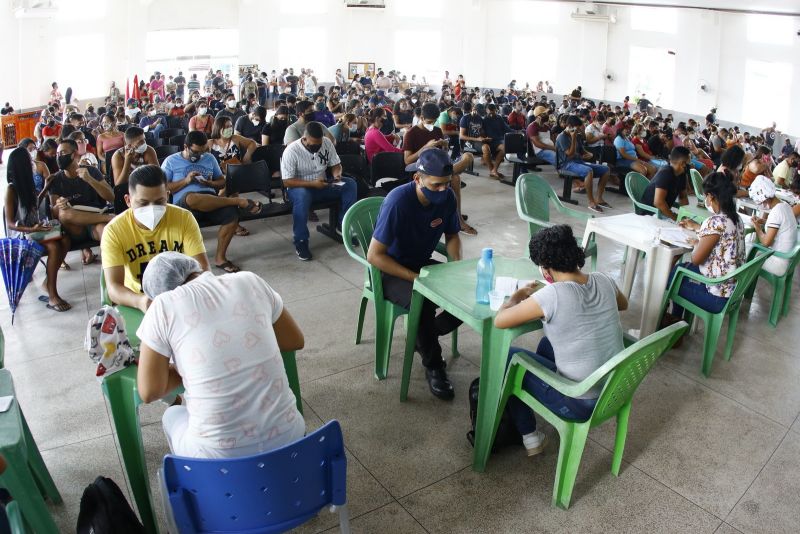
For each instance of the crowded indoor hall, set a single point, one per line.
(399, 266)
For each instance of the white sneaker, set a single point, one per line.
(534, 442)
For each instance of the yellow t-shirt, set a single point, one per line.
(127, 244)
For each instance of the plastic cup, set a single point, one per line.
(496, 299)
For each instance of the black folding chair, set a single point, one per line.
(177, 140)
(388, 167)
(153, 142)
(166, 133)
(163, 151)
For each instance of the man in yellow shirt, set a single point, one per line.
(149, 227)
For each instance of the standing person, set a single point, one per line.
(412, 220)
(180, 85)
(24, 213)
(229, 410)
(193, 84)
(113, 92)
(55, 95)
(311, 171)
(592, 299)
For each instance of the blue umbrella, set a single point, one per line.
(18, 258)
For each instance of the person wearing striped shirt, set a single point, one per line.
(312, 172)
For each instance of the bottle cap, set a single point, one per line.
(487, 253)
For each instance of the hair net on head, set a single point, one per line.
(167, 271)
(762, 189)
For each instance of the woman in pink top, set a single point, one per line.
(374, 141)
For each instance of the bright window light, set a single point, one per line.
(770, 29)
(419, 52)
(533, 12)
(428, 9)
(170, 44)
(654, 19)
(81, 9)
(545, 68)
(767, 93)
(304, 7)
(652, 71)
(298, 51)
(71, 68)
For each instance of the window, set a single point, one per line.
(84, 10)
(770, 29)
(193, 52)
(71, 66)
(544, 68)
(300, 52)
(652, 71)
(419, 52)
(303, 7)
(767, 93)
(429, 9)
(654, 19)
(530, 12)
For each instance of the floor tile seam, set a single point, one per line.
(756, 477)
(78, 442)
(36, 358)
(740, 403)
(407, 495)
(334, 292)
(417, 521)
(332, 374)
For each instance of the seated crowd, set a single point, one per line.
(82, 167)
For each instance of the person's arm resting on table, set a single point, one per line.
(378, 255)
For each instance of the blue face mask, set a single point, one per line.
(435, 197)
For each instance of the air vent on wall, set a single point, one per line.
(366, 3)
(30, 9)
(591, 12)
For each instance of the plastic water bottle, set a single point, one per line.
(485, 277)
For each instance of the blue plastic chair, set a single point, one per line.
(270, 492)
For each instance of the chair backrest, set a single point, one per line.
(515, 143)
(388, 165)
(109, 155)
(153, 142)
(533, 201)
(271, 154)
(359, 222)
(247, 177)
(269, 492)
(744, 276)
(626, 370)
(697, 184)
(177, 140)
(166, 133)
(635, 184)
(166, 150)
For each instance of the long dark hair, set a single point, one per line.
(20, 175)
(720, 186)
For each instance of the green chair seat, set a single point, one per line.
(359, 222)
(744, 277)
(781, 285)
(621, 376)
(534, 197)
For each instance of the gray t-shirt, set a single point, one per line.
(582, 323)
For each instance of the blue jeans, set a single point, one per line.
(302, 198)
(548, 155)
(696, 293)
(555, 401)
(582, 168)
(157, 129)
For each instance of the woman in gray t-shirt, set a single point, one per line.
(580, 314)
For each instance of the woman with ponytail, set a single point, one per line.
(719, 251)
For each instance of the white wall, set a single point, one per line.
(474, 38)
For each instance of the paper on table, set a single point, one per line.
(508, 285)
(676, 236)
(5, 403)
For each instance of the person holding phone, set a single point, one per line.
(195, 179)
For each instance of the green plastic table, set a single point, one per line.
(451, 286)
(695, 213)
(123, 402)
(26, 475)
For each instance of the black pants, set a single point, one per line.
(431, 326)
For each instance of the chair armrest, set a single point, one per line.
(563, 385)
(784, 255)
(561, 208)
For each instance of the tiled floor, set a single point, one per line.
(704, 455)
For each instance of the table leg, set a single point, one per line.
(290, 366)
(659, 263)
(629, 272)
(494, 350)
(412, 325)
(120, 390)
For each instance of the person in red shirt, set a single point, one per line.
(375, 141)
(516, 119)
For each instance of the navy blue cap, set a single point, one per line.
(380, 93)
(433, 162)
(374, 100)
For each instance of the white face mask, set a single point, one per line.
(231, 103)
(149, 216)
(141, 149)
(152, 113)
(256, 122)
(427, 126)
(709, 207)
(202, 111)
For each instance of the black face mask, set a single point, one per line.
(308, 117)
(194, 157)
(313, 148)
(64, 161)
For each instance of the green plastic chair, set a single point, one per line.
(635, 184)
(697, 184)
(534, 197)
(2, 349)
(621, 375)
(15, 519)
(132, 316)
(26, 476)
(359, 222)
(781, 285)
(744, 277)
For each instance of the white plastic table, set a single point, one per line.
(637, 233)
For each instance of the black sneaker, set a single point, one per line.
(303, 252)
(439, 384)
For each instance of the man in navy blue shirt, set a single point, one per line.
(496, 129)
(411, 222)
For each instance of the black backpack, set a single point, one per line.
(104, 510)
(507, 433)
